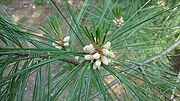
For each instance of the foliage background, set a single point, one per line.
(143, 45)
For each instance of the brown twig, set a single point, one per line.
(162, 53)
(72, 61)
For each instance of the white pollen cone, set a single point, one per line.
(118, 22)
(76, 57)
(85, 48)
(94, 66)
(105, 60)
(106, 52)
(121, 19)
(107, 45)
(58, 47)
(89, 48)
(96, 56)
(66, 39)
(95, 39)
(114, 21)
(54, 44)
(66, 44)
(88, 57)
(97, 64)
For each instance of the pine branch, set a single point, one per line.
(173, 46)
(72, 61)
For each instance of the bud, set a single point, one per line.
(114, 21)
(76, 57)
(122, 21)
(118, 22)
(88, 57)
(66, 44)
(105, 60)
(106, 52)
(107, 45)
(57, 45)
(66, 39)
(54, 44)
(95, 39)
(96, 56)
(70, 2)
(89, 48)
(96, 64)
(85, 48)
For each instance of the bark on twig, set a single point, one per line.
(72, 61)
(162, 53)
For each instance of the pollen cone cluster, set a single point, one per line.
(118, 22)
(98, 55)
(64, 42)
